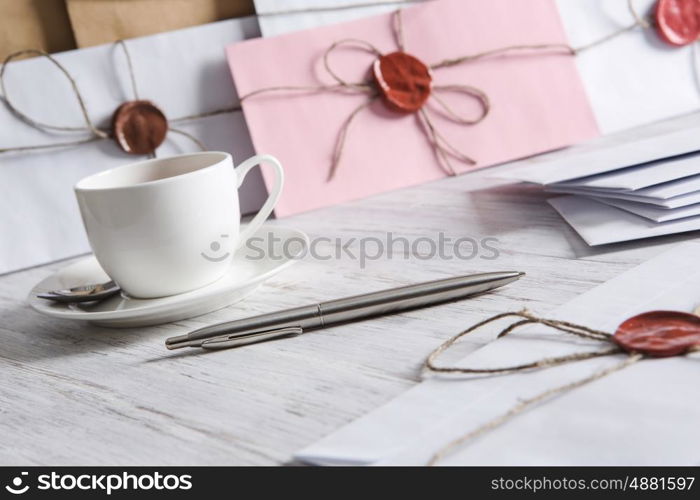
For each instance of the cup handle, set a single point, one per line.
(272, 198)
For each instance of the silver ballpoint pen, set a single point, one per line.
(292, 322)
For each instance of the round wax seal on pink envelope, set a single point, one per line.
(403, 81)
(659, 333)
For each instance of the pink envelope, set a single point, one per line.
(538, 101)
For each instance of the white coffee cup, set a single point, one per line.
(167, 226)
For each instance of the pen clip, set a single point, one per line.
(246, 338)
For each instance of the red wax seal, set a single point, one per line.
(659, 333)
(404, 82)
(678, 21)
(139, 127)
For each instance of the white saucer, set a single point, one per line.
(249, 269)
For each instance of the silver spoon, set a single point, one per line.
(83, 293)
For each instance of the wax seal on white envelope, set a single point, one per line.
(139, 127)
(678, 21)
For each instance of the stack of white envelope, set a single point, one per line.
(638, 184)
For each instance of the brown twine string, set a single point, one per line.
(524, 405)
(502, 50)
(568, 49)
(35, 123)
(340, 144)
(347, 41)
(132, 77)
(397, 21)
(301, 88)
(563, 326)
(189, 136)
(644, 23)
(639, 21)
(206, 114)
(341, 86)
(444, 151)
(605, 39)
(132, 74)
(471, 92)
(49, 146)
(527, 318)
(97, 134)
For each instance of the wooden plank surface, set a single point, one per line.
(73, 393)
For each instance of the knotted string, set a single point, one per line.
(96, 133)
(397, 28)
(341, 85)
(528, 403)
(444, 151)
(528, 318)
(563, 326)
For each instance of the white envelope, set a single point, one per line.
(669, 203)
(643, 176)
(651, 212)
(600, 224)
(599, 424)
(275, 18)
(635, 78)
(664, 191)
(665, 139)
(183, 72)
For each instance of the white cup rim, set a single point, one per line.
(87, 183)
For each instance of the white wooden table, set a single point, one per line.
(72, 393)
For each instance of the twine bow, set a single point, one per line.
(527, 318)
(444, 151)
